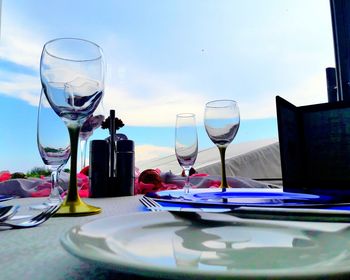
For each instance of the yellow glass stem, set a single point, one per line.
(73, 205)
(223, 185)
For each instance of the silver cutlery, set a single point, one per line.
(154, 206)
(4, 210)
(151, 204)
(255, 212)
(33, 221)
(19, 217)
(7, 212)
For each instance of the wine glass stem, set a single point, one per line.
(224, 184)
(53, 183)
(72, 194)
(83, 145)
(187, 182)
(53, 179)
(55, 193)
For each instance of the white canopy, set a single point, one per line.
(254, 159)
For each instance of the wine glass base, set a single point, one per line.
(77, 208)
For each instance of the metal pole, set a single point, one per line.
(0, 16)
(331, 85)
(340, 12)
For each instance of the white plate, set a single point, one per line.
(159, 244)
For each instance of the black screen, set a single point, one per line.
(314, 146)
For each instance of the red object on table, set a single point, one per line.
(4, 176)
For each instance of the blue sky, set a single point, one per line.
(164, 58)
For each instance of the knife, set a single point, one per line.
(268, 213)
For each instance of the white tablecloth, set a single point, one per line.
(36, 253)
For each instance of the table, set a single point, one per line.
(36, 253)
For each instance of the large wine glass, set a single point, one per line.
(186, 144)
(72, 76)
(221, 120)
(92, 122)
(54, 148)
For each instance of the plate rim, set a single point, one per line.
(118, 264)
(234, 205)
(6, 197)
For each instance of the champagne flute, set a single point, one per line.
(221, 120)
(54, 147)
(93, 122)
(72, 76)
(186, 144)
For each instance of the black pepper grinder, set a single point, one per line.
(125, 167)
(99, 168)
(112, 179)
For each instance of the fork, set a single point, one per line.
(150, 204)
(154, 206)
(33, 221)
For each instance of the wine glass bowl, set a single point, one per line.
(54, 150)
(72, 76)
(221, 121)
(186, 143)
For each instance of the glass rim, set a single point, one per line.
(73, 39)
(229, 102)
(186, 115)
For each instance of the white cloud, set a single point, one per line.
(140, 95)
(159, 107)
(311, 91)
(164, 99)
(20, 50)
(20, 45)
(24, 87)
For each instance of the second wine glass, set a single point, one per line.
(93, 122)
(54, 147)
(186, 143)
(221, 121)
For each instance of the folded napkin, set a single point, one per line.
(40, 187)
(150, 180)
